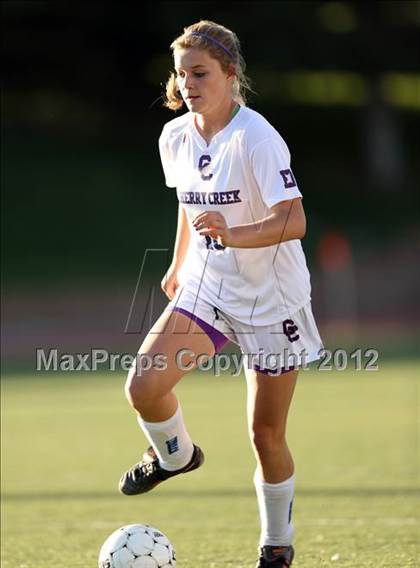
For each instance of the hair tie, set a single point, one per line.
(205, 36)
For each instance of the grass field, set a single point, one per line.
(354, 435)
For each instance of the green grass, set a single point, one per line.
(66, 440)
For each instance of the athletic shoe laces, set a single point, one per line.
(143, 469)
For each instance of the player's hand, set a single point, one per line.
(170, 282)
(213, 224)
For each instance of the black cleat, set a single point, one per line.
(276, 557)
(148, 473)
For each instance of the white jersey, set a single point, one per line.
(243, 172)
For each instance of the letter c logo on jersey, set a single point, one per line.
(203, 162)
(289, 330)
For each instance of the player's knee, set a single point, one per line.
(267, 440)
(131, 388)
(141, 391)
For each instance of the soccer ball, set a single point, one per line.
(137, 546)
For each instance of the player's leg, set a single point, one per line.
(293, 343)
(149, 391)
(268, 403)
(269, 399)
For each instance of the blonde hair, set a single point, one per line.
(221, 44)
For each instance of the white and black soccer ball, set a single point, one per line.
(137, 546)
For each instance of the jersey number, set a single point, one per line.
(212, 244)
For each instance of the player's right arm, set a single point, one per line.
(170, 281)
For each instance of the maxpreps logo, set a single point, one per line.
(288, 178)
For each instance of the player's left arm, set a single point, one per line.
(285, 222)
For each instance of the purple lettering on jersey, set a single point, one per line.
(192, 198)
(288, 178)
(213, 197)
(203, 162)
(183, 197)
(236, 198)
(224, 197)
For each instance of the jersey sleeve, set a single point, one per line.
(270, 162)
(167, 160)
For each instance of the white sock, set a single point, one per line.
(275, 506)
(170, 440)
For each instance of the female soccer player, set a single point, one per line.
(238, 273)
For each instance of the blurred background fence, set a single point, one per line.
(83, 194)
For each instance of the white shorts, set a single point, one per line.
(271, 349)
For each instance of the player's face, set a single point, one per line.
(204, 86)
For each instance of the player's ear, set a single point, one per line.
(176, 91)
(230, 71)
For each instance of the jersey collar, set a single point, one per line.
(219, 135)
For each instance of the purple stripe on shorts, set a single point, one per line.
(273, 372)
(219, 340)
